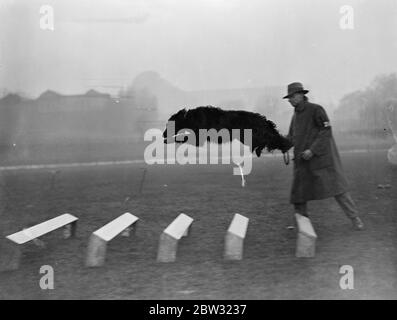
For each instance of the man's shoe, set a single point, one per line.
(358, 224)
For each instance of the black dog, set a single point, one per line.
(264, 132)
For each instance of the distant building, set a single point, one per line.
(54, 117)
(50, 101)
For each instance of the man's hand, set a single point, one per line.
(307, 154)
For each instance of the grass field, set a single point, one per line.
(131, 149)
(210, 195)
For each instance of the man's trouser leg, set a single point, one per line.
(301, 208)
(347, 204)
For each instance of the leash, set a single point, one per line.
(286, 158)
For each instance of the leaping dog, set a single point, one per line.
(264, 132)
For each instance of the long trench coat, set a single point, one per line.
(322, 176)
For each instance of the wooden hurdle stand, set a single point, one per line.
(13, 248)
(234, 239)
(170, 237)
(306, 238)
(96, 251)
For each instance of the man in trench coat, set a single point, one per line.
(318, 172)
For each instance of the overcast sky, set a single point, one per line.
(206, 44)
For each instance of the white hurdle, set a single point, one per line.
(96, 251)
(67, 221)
(306, 239)
(234, 239)
(170, 237)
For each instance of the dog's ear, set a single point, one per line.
(182, 113)
(179, 115)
